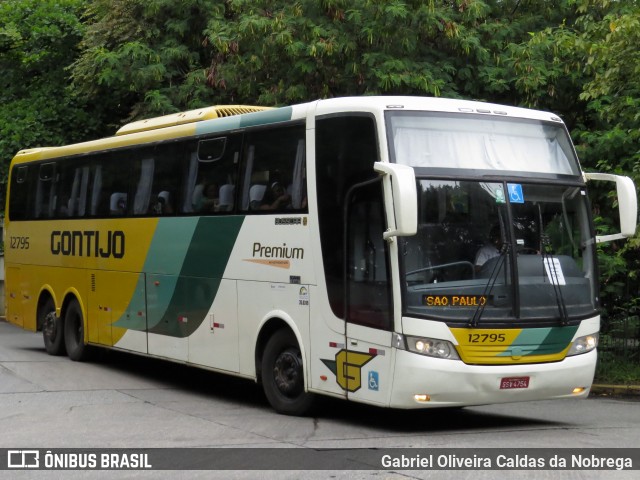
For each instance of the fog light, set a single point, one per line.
(421, 398)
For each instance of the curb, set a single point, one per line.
(617, 390)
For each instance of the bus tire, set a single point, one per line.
(52, 328)
(283, 375)
(77, 350)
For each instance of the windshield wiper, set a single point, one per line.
(550, 267)
(477, 315)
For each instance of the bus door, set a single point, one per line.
(368, 360)
(355, 261)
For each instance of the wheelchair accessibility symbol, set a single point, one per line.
(373, 381)
(515, 193)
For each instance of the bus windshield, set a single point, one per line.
(499, 251)
(481, 142)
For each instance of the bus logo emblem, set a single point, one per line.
(347, 367)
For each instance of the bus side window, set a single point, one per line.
(45, 191)
(95, 190)
(68, 189)
(18, 202)
(142, 197)
(211, 175)
(168, 160)
(108, 180)
(274, 170)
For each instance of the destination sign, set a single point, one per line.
(454, 300)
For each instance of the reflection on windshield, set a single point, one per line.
(502, 250)
(425, 139)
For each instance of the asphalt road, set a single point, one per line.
(125, 401)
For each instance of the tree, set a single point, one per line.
(594, 59)
(38, 39)
(146, 56)
(284, 52)
(611, 140)
(140, 58)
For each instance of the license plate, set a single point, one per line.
(514, 382)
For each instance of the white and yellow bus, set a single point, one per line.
(397, 251)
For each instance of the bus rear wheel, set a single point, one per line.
(283, 375)
(77, 350)
(52, 328)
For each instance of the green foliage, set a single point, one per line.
(619, 348)
(38, 38)
(148, 55)
(129, 59)
(282, 52)
(610, 137)
(587, 68)
(613, 370)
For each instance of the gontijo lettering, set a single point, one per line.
(88, 243)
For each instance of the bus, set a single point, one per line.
(402, 252)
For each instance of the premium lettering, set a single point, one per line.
(88, 243)
(266, 251)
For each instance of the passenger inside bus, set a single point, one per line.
(208, 201)
(276, 198)
(118, 203)
(162, 205)
(490, 249)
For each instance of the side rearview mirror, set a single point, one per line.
(627, 205)
(401, 190)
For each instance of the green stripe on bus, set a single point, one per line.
(218, 125)
(541, 341)
(197, 285)
(170, 245)
(211, 246)
(131, 317)
(165, 257)
(264, 117)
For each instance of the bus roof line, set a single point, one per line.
(191, 116)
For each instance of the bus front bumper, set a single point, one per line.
(426, 382)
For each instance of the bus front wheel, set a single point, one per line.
(74, 332)
(283, 375)
(52, 328)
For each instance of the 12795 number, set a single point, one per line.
(19, 243)
(487, 337)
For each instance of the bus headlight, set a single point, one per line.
(432, 347)
(583, 344)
